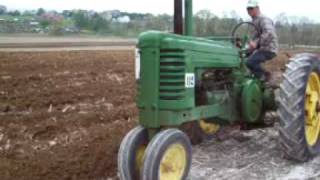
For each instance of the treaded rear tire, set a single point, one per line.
(291, 109)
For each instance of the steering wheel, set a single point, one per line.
(242, 34)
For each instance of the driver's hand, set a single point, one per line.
(252, 45)
(238, 42)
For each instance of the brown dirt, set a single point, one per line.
(63, 114)
(277, 65)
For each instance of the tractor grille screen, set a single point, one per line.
(172, 74)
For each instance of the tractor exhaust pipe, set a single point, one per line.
(185, 28)
(178, 17)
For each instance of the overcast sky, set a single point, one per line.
(307, 8)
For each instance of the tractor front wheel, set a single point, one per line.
(168, 156)
(130, 156)
(299, 108)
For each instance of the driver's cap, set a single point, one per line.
(252, 3)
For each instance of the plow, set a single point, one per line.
(189, 88)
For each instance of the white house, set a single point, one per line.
(123, 19)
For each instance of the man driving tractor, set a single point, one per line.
(264, 44)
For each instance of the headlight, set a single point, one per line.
(137, 63)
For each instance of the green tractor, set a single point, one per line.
(190, 87)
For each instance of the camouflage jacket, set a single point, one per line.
(266, 37)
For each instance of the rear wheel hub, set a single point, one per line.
(312, 115)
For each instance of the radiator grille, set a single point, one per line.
(172, 74)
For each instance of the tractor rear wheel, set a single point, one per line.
(168, 156)
(199, 131)
(130, 156)
(299, 108)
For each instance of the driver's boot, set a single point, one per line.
(268, 76)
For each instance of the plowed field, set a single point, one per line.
(63, 114)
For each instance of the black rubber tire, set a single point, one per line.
(291, 109)
(127, 153)
(156, 149)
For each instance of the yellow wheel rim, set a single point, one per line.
(209, 128)
(312, 109)
(139, 157)
(173, 163)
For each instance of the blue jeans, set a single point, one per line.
(255, 60)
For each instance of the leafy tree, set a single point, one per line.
(14, 13)
(27, 13)
(81, 19)
(98, 24)
(40, 12)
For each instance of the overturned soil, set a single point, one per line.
(63, 115)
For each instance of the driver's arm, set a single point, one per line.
(267, 32)
(253, 44)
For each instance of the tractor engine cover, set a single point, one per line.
(251, 101)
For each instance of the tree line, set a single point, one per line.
(291, 30)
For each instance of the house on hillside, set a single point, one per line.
(34, 23)
(52, 17)
(123, 19)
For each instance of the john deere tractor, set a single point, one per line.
(190, 87)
